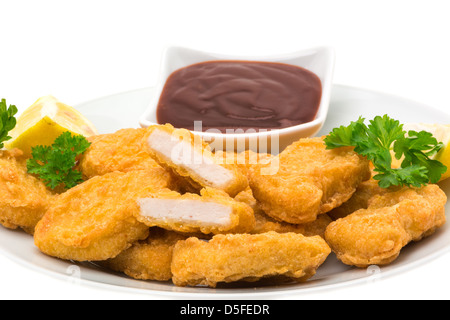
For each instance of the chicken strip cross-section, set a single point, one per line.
(213, 211)
(189, 157)
(375, 236)
(95, 220)
(244, 257)
(24, 199)
(310, 181)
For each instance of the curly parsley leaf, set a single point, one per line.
(384, 130)
(383, 135)
(346, 136)
(417, 149)
(55, 164)
(7, 121)
(414, 175)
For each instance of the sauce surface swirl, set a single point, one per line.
(239, 95)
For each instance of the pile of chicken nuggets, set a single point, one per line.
(158, 204)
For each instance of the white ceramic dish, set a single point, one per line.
(319, 60)
(112, 113)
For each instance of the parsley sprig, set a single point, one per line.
(383, 135)
(55, 164)
(7, 121)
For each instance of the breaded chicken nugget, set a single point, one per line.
(377, 234)
(120, 151)
(188, 156)
(150, 259)
(244, 160)
(310, 181)
(244, 257)
(24, 199)
(360, 199)
(95, 220)
(213, 211)
(264, 223)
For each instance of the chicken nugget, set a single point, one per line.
(245, 257)
(188, 156)
(310, 180)
(264, 223)
(213, 211)
(24, 199)
(120, 151)
(360, 199)
(244, 160)
(375, 236)
(150, 259)
(95, 220)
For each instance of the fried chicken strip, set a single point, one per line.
(188, 156)
(24, 199)
(375, 236)
(120, 151)
(213, 211)
(310, 181)
(244, 257)
(150, 259)
(95, 220)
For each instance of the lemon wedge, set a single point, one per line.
(442, 133)
(46, 120)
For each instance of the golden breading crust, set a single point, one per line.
(377, 234)
(243, 160)
(149, 259)
(187, 156)
(24, 199)
(264, 223)
(310, 181)
(121, 151)
(241, 216)
(360, 199)
(94, 221)
(244, 257)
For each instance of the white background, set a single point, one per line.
(78, 50)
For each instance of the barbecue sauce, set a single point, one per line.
(239, 95)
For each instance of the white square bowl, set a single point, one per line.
(319, 60)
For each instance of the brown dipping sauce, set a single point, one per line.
(240, 95)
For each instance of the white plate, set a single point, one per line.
(123, 111)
